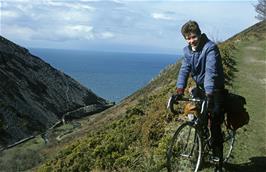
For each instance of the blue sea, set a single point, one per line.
(110, 75)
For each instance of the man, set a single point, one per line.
(202, 61)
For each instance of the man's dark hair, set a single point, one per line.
(190, 27)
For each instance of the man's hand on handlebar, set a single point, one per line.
(179, 94)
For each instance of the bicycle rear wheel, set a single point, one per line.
(184, 152)
(228, 142)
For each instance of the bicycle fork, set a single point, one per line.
(187, 143)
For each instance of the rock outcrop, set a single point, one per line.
(34, 95)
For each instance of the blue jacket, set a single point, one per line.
(204, 65)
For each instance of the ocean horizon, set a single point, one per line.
(110, 75)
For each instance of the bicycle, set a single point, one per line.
(189, 147)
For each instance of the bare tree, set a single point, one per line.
(261, 10)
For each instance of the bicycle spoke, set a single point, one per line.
(229, 139)
(185, 150)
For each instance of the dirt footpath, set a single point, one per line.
(249, 154)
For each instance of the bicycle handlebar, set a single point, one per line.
(173, 100)
(190, 99)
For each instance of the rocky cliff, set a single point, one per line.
(34, 95)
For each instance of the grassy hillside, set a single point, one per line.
(133, 136)
(250, 81)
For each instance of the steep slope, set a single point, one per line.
(250, 81)
(133, 136)
(34, 96)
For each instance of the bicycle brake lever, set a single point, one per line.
(171, 101)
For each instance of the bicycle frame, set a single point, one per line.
(200, 124)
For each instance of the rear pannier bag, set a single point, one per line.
(237, 116)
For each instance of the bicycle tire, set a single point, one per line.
(185, 150)
(228, 142)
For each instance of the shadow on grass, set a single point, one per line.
(256, 164)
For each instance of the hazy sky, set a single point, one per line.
(119, 25)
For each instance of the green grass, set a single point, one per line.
(33, 152)
(250, 82)
(22, 157)
(134, 135)
(138, 140)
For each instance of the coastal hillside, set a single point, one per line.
(133, 136)
(34, 96)
(249, 154)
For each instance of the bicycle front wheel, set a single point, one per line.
(184, 152)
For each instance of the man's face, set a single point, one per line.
(193, 39)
